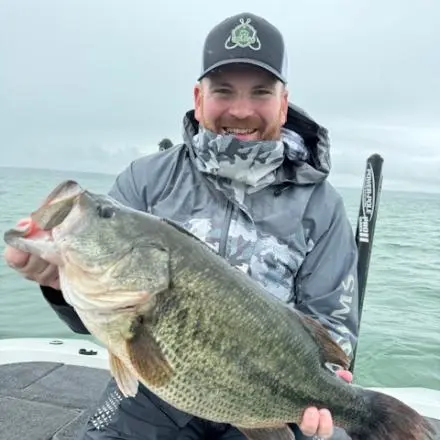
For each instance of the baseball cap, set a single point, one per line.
(248, 39)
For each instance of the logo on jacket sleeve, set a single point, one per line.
(243, 35)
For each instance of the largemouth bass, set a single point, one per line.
(196, 331)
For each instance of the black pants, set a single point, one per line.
(146, 417)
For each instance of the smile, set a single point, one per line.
(241, 131)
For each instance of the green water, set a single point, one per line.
(400, 334)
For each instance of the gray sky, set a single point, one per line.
(92, 84)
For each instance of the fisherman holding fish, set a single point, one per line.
(250, 180)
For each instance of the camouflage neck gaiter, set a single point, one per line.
(249, 163)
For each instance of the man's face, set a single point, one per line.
(247, 102)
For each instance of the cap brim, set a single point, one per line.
(243, 61)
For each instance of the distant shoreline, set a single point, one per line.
(59, 170)
(115, 173)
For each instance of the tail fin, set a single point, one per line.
(391, 419)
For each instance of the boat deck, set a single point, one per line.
(45, 400)
(50, 401)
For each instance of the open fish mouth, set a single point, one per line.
(35, 234)
(57, 205)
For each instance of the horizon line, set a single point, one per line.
(115, 173)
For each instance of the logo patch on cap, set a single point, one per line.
(243, 35)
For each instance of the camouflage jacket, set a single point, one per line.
(288, 228)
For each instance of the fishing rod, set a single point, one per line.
(366, 225)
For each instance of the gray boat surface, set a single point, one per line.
(50, 387)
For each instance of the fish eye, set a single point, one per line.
(105, 211)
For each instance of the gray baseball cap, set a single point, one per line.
(245, 39)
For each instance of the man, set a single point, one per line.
(250, 180)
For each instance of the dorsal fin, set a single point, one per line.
(330, 350)
(185, 231)
(190, 234)
(180, 228)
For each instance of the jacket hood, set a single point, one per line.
(313, 170)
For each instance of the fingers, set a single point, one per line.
(45, 276)
(35, 267)
(32, 267)
(15, 258)
(310, 422)
(346, 375)
(317, 422)
(325, 428)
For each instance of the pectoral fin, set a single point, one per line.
(147, 357)
(279, 433)
(125, 380)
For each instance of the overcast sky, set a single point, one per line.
(92, 84)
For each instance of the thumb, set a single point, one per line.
(15, 258)
(346, 375)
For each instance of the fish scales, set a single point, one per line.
(238, 347)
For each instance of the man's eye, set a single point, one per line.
(223, 91)
(262, 92)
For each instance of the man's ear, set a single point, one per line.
(198, 94)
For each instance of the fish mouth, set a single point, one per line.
(57, 206)
(35, 235)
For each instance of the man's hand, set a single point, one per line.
(319, 422)
(32, 267)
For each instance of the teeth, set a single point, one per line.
(239, 130)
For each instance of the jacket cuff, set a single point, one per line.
(64, 311)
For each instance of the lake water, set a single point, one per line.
(400, 333)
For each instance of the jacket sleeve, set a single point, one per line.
(126, 192)
(327, 282)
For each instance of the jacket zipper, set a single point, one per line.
(225, 230)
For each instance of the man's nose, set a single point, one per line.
(241, 108)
